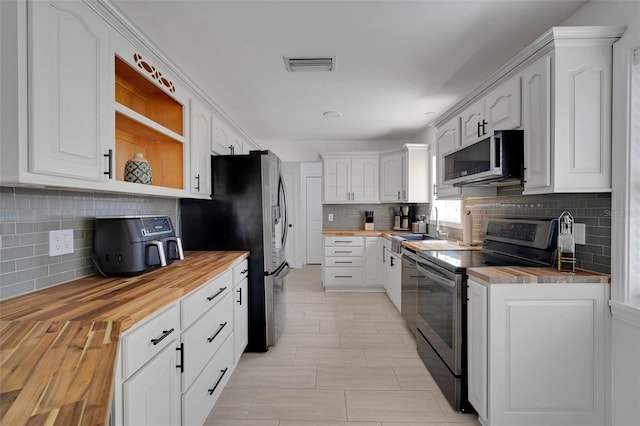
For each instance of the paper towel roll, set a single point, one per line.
(467, 229)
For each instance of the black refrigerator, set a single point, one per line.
(247, 211)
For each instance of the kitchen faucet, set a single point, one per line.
(437, 233)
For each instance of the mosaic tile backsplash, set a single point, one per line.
(27, 216)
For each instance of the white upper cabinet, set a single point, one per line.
(351, 178)
(536, 93)
(558, 91)
(391, 176)
(200, 147)
(404, 175)
(71, 91)
(499, 110)
(567, 113)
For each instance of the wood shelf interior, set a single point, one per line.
(148, 129)
(142, 96)
(163, 153)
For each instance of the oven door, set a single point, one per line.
(439, 317)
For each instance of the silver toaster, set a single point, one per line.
(131, 245)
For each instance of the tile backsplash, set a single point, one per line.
(350, 216)
(26, 217)
(592, 209)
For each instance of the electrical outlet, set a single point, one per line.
(330, 217)
(580, 233)
(60, 242)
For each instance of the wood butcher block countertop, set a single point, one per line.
(534, 275)
(415, 245)
(58, 345)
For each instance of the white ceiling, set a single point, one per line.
(395, 60)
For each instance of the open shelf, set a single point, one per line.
(134, 91)
(148, 121)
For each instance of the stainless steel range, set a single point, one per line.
(441, 281)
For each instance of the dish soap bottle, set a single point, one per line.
(566, 244)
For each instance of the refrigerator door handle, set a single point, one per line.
(283, 206)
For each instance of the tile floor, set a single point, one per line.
(343, 359)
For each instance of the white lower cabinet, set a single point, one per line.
(394, 277)
(352, 263)
(198, 401)
(373, 276)
(173, 365)
(152, 395)
(240, 309)
(541, 360)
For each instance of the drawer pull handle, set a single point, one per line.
(210, 339)
(344, 241)
(343, 261)
(218, 293)
(181, 350)
(222, 373)
(165, 333)
(344, 276)
(244, 271)
(239, 296)
(344, 251)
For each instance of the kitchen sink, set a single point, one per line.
(418, 237)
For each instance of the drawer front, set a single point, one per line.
(344, 241)
(196, 303)
(240, 271)
(342, 261)
(144, 341)
(198, 401)
(204, 338)
(343, 276)
(343, 251)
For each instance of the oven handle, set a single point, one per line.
(439, 277)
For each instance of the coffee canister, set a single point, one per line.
(138, 170)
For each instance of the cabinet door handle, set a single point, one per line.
(210, 339)
(479, 126)
(198, 184)
(222, 373)
(522, 179)
(398, 195)
(164, 335)
(109, 171)
(239, 296)
(181, 350)
(383, 255)
(404, 194)
(391, 259)
(484, 129)
(218, 293)
(435, 190)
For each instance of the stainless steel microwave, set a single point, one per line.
(497, 159)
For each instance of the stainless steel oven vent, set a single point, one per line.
(309, 63)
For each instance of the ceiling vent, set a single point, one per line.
(310, 63)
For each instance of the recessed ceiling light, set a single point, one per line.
(331, 114)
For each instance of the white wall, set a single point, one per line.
(607, 12)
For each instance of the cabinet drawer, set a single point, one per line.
(343, 251)
(204, 338)
(241, 271)
(343, 276)
(198, 401)
(196, 303)
(144, 341)
(343, 261)
(344, 241)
